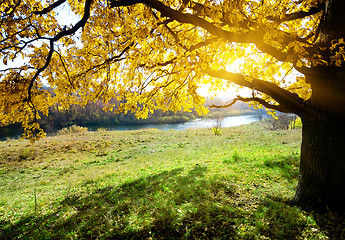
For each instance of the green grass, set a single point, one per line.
(151, 184)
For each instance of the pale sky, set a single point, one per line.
(231, 92)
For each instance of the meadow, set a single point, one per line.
(151, 184)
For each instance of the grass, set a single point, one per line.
(151, 184)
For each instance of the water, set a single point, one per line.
(10, 132)
(197, 123)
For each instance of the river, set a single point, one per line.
(197, 123)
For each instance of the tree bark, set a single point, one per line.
(321, 183)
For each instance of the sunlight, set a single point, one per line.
(227, 94)
(230, 92)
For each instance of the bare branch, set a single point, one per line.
(16, 68)
(49, 8)
(252, 99)
(64, 66)
(291, 101)
(298, 15)
(162, 64)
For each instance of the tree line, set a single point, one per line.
(93, 114)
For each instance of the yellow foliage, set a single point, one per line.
(137, 55)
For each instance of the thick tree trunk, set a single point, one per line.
(321, 184)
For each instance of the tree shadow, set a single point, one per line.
(176, 204)
(281, 213)
(333, 224)
(288, 165)
(278, 219)
(168, 205)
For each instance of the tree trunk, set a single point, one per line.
(321, 183)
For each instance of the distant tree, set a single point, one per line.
(280, 121)
(293, 121)
(156, 53)
(218, 120)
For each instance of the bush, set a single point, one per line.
(298, 123)
(216, 131)
(71, 129)
(218, 124)
(283, 122)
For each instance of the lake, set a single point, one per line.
(197, 123)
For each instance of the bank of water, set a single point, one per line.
(197, 123)
(10, 132)
(15, 132)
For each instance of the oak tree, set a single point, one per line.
(155, 54)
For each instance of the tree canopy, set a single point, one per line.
(153, 54)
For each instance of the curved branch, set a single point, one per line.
(252, 99)
(49, 8)
(115, 58)
(61, 34)
(178, 16)
(78, 25)
(289, 102)
(38, 72)
(202, 44)
(301, 14)
(255, 36)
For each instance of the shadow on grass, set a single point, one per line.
(288, 165)
(332, 223)
(279, 220)
(170, 205)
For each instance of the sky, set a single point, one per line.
(65, 16)
(229, 93)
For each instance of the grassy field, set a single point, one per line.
(151, 184)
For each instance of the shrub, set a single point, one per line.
(218, 124)
(283, 122)
(71, 129)
(298, 123)
(216, 131)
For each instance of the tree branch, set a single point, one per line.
(202, 44)
(49, 8)
(253, 36)
(183, 18)
(61, 34)
(298, 15)
(291, 101)
(252, 99)
(116, 58)
(65, 68)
